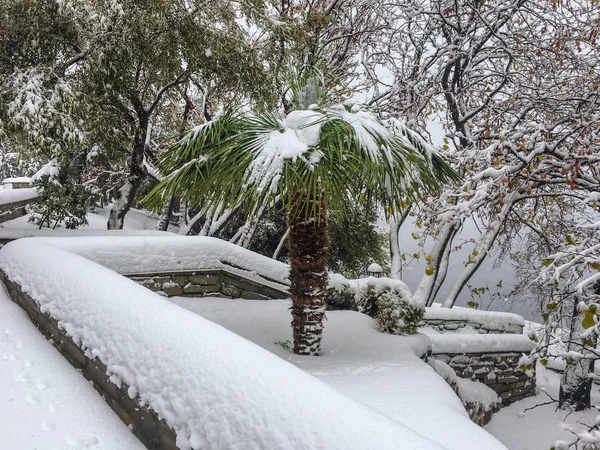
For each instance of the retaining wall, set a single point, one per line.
(207, 283)
(499, 371)
(144, 423)
(10, 211)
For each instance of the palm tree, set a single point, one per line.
(314, 160)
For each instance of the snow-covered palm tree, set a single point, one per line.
(313, 160)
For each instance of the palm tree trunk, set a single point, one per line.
(308, 242)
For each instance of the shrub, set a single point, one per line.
(397, 315)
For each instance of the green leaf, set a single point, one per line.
(545, 316)
(429, 271)
(570, 239)
(547, 262)
(551, 306)
(544, 362)
(588, 320)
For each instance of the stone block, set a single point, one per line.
(460, 359)
(506, 380)
(251, 295)
(230, 291)
(200, 288)
(160, 280)
(166, 436)
(171, 289)
(72, 352)
(95, 371)
(181, 280)
(205, 279)
(120, 411)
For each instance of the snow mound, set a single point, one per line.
(46, 404)
(214, 388)
(451, 343)
(498, 320)
(468, 391)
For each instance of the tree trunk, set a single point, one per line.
(126, 194)
(576, 385)
(165, 217)
(395, 253)
(308, 243)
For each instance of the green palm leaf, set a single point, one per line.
(334, 153)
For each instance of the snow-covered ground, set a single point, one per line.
(378, 370)
(45, 403)
(214, 388)
(541, 427)
(134, 220)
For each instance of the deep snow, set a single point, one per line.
(45, 403)
(215, 389)
(540, 428)
(379, 370)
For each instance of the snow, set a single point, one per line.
(150, 254)
(374, 268)
(51, 169)
(16, 195)
(300, 131)
(491, 319)
(452, 343)
(215, 389)
(379, 370)
(540, 428)
(16, 180)
(46, 403)
(137, 223)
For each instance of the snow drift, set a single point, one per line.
(214, 388)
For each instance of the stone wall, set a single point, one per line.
(498, 371)
(9, 211)
(207, 283)
(144, 423)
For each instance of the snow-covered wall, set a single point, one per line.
(212, 387)
(446, 320)
(14, 201)
(492, 359)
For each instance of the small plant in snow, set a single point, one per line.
(398, 315)
(286, 345)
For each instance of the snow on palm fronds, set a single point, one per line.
(334, 155)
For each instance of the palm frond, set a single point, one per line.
(331, 156)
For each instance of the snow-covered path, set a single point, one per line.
(45, 403)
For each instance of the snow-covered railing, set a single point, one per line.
(14, 201)
(213, 388)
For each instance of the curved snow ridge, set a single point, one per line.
(151, 254)
(459, 343)
(18, 233)
(17, 195)
(488, 318)
(214, 388)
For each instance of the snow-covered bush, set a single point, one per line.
(390, 302)
(62, 198)
(341, 298)
(397, 314)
